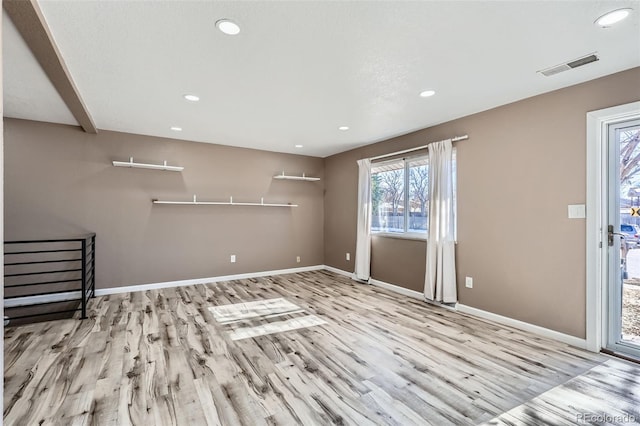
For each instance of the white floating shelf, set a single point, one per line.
(163, 166)
(289, 177)
(195, 202)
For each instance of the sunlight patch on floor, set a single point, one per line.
(263, 310)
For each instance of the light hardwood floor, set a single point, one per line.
(366, 356)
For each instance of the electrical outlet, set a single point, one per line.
(348, 256)
(233, 258)
(468, 282)
(298, 259)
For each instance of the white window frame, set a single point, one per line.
(407, 211)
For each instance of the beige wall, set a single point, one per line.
(521, 167)
(59, 181)
(408, 270)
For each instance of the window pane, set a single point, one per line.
(418, 195)
(387, 197)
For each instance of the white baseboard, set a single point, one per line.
(338, 271)
(43, 298)
(521, 325)
(180, 283)
(397, 289)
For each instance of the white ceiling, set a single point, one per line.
(298, 70)
(28, 93)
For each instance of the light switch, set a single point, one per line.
(577, 211)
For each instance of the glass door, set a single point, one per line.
(623, 288)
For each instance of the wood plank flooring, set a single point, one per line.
(607, 394)
(161, 358)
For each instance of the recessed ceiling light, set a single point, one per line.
(427, 93)
(612, 17)
(298, 146)
(176, 128)
(343, 128)
(228, 27)
(192, 98)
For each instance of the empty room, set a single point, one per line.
(320, 212)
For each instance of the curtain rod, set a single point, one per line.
(455, 139)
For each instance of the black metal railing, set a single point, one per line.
(49, 277)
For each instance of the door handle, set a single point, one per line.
(610, 235)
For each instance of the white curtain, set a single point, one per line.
(440, 278)
(363, 242)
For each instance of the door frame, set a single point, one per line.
(596, 228)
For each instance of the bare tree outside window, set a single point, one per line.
(393, 185)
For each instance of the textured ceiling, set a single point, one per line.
(298, 70)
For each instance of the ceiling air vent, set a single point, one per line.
(584, 60)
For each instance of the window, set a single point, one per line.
(400, 195)
(387, 196)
